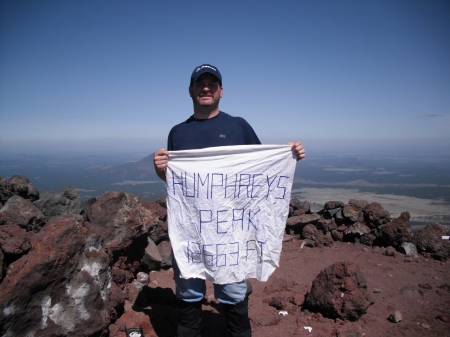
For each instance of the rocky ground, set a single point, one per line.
(418, 288)
(96, 268)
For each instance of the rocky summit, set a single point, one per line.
(97, 268)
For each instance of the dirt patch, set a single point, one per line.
(418, 288)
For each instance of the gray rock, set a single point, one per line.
(409, 249)
(333, 211)
(339, 217)
(395, 316)
(165, 251)
(316, 208)
(65, 201)
(152, 258)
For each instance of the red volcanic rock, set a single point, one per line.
(326, 225)
(115, 303)
(17, 185)
(357, 230)
(310, 232)
(21, 212)
(429, 242)
(360, 204)
(132, 319)
(61, 288)
(397, 231)
(14, 240)
(375, 215)
(353, 213)
(315, 238)
(339, 291)
(159, 210)
(120, 219)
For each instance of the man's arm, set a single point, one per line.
(160, 161)
(298, 149)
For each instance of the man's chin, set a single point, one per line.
(205, 103)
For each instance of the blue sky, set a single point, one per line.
(114, 75)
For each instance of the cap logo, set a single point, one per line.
(205, 66)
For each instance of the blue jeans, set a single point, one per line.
(194, 289)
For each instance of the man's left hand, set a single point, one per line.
(298, 149)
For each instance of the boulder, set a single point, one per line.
(356, 230)
(397, 231)
(62, 285)
(65, 201)
(17, 185)
(352, 213)
(375, 215)
(429, 242)
(339, 291)
(315, 238)
(360, 204)
(310, 232)
(298, 207)
(409, 249)
(299, 221)
(368, 239)
(21, 212)
(295, 203)
(14, 240)
(120, 220)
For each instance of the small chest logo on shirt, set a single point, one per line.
(223, 136)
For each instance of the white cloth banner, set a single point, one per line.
(227, 210)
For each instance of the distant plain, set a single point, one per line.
(398, 182)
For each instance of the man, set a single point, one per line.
(209, 127)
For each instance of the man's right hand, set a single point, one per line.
(160, 160)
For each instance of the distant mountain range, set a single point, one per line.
(139, 170)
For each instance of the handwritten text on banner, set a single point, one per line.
(227, 210)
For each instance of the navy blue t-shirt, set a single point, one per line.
(221, 130)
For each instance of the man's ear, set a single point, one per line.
(190, 91)
(221, 91)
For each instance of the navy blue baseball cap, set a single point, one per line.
(205, 68)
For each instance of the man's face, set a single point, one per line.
(206, 91)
